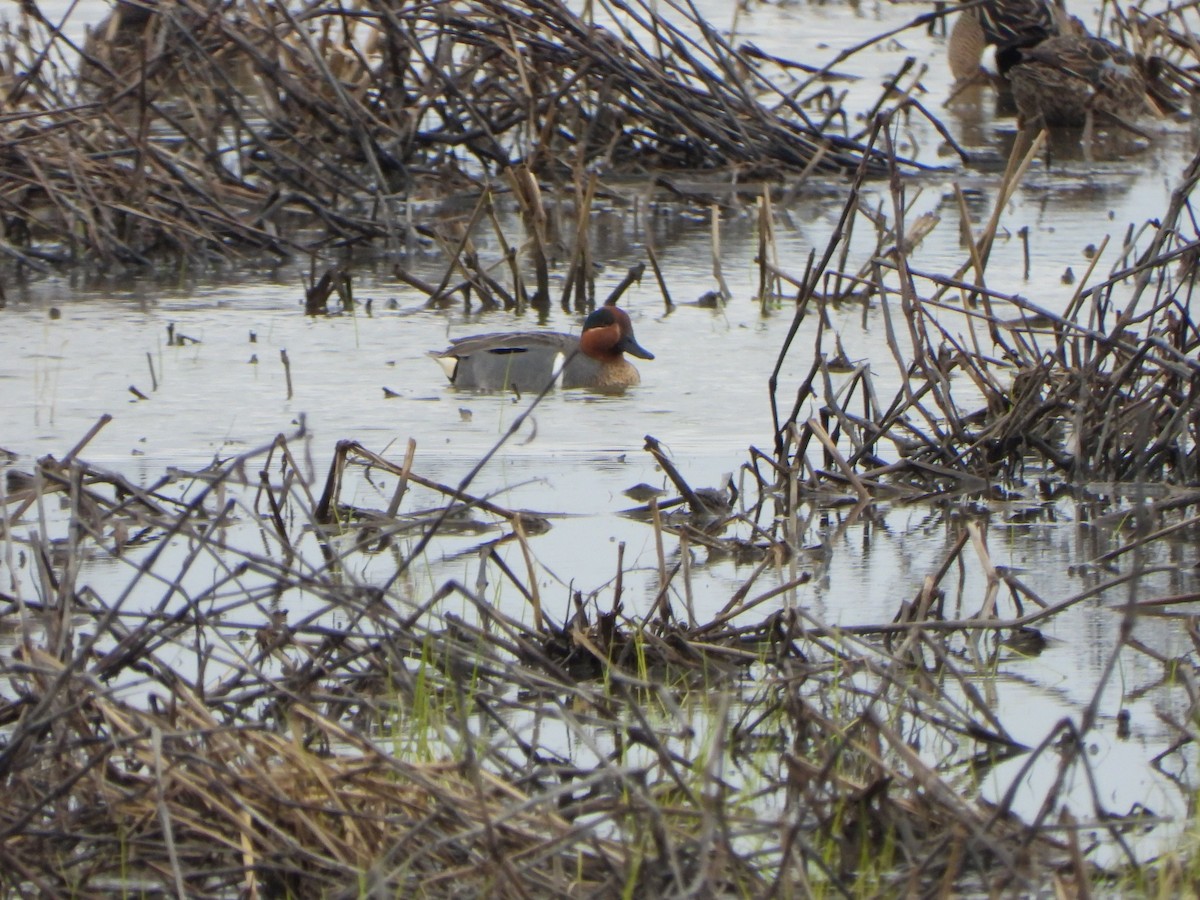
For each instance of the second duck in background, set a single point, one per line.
(1007, 25)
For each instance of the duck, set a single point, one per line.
(1007, 25)
(526, 361)
(1066, 79)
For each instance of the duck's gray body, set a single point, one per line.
(526, 362)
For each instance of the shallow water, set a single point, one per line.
(705, 396)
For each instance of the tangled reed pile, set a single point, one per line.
(175, 730)
(1100, 385)
(196, 127)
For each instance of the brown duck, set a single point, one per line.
(1065, 80)
(1007, 25)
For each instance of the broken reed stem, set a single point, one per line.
(1018, 165)
(769, 286)
(535, 600)
(831, 448)
(287, 371)
(402, 479)
(715, 232)
(685, 560)
(660, 555)
(619, 578)
(989, 570)
(533, 214)
(582, 267)
(658, 276)
(509, 255)
(634, 275)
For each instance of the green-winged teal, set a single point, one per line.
(526, 360)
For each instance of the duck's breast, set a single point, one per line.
(607, 375)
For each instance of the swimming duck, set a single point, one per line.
(1007, 25)
(1065, 79)
(525, 361)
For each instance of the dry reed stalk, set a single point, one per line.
(196, 128)
(580, 279)
(402, 482)
(287, 371)
(770, 285)
(1105, 396)
(714, 215)
(528, 196)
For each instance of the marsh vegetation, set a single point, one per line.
(269, 676)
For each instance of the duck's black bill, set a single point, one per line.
(629, 345)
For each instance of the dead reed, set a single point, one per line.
(270, 697)
(994, 388)
(201, 128)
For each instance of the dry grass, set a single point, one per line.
(198, 129)
(172, 727)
